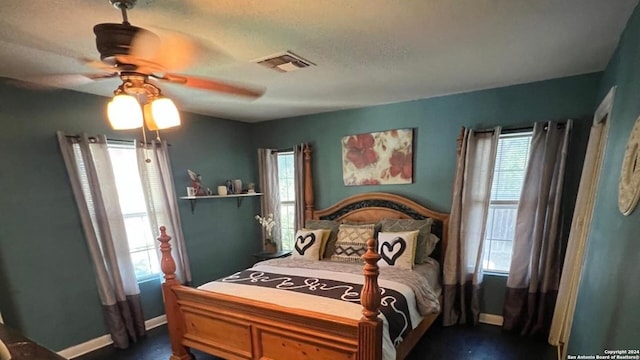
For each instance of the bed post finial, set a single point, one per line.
(174, 317)
(308, 184)
(167, 264)
(370, 326)
(370, 296)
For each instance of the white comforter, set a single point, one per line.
(405, 282)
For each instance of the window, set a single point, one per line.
(508, 176)
(134, 210)
(287, 198)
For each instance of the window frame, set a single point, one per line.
(151, 246)
(286, 202)
(486, 256)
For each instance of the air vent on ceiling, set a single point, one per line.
(284, 62)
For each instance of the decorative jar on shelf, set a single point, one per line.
(237, 186)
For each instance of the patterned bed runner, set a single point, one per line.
(393, 303)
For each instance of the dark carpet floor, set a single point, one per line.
(484, 342)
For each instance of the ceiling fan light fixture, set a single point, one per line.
(124, 112)
(161, 113)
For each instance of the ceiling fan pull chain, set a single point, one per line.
(144, 138)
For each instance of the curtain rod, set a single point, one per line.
(291, 149)
(108, 139)
(282, 150)
(506, 131)
(515, 130)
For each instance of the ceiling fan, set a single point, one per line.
(141, 59)
(137, 55)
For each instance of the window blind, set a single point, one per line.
(511, 163)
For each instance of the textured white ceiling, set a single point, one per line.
(367, 52)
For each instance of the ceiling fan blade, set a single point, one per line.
(98, 65)
(171, 49)
(212, 85)
(54, 81)
(101, 76)
(139, 65)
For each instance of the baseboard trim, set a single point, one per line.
(155, 322)
(105, 340)
(86, 347)
(491, 319)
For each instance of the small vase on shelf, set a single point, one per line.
(229, 185)
(270, 246)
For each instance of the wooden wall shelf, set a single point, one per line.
(238, 197)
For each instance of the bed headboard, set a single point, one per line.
(372, 207)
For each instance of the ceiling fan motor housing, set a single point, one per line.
(115, 39)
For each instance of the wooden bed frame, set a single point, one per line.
(237, 328)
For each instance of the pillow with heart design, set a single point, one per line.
(332, 226)
(307, 244)
(326, 234)
(397, 248)
(425, 244)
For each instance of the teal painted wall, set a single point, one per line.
(221, 236)
(47, 286)
(437, 123)
(40, 228)
(494, 288)
(607, 312)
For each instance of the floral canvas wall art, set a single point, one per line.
(384, 157)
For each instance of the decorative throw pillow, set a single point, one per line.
(397, 248)
(352, 242)
(432, 241)
(333, 237)
(376, 225)
(307, 244)
(325, 238)
(424, 228)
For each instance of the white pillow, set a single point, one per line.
(307, 244)
(397, 248)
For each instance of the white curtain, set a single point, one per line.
(270, 201)
(159, 191)
(534, 275)
(463, 257)
(91, 175)
(298, 165)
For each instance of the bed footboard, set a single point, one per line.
(238, 328)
